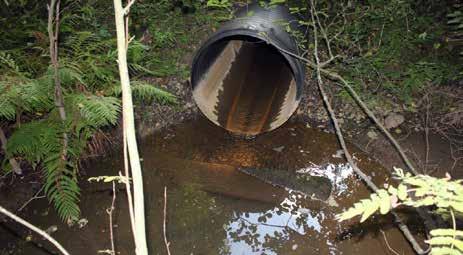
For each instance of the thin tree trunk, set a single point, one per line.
(54, 19)
(14, 164)
(129, 127)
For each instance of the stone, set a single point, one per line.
(393, 120)
(279, 149)
(372, 135)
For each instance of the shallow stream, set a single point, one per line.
(214, 208)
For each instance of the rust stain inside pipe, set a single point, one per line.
(246, 86)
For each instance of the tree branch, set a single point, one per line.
(342, 142)
(35, 229)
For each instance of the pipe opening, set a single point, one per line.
(244, 85)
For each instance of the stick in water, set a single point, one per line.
(35, 229)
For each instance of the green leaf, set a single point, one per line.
(444, 251)
(402, 192)
(445, 240)
(446, 232)
(370, 206)
(385, 202)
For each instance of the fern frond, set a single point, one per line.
(61, 185)
(147, 92)
(98, 111)
(7, 61)
(34, 140)
(37, 95)
(8, 96)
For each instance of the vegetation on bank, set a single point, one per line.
(89, 79)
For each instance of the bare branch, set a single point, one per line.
(342, 142)
(35, 229)
(14, 164)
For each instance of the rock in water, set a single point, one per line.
(317, 187)
(393, 120)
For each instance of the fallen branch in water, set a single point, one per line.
(110, 213)
(340, 136)
(35, 229)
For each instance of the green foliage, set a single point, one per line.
(41, 142)
(88, 75)
(391, 50)
(416, 191)
(148, 93)
(219, 3)
(98, 111)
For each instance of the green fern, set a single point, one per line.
(417, 191)
(41, 142)
(7, 101)
(147, 92)
(98, 111)
(61, 185)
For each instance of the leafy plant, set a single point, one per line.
(416, 191)
(88, 73)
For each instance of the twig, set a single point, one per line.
(110, 213)
(35, 229)
(387, 243)
(426, 132)
(164, 222)
(342, 142)
(53, 33)
(14, 164)
(372, 116)
(129, 5)
(32, 199)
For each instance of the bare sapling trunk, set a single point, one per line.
(53, 32)
(130, 141)
(14, 164)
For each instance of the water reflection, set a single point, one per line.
(337, 173)
(268, 231)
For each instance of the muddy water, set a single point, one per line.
(212, 208)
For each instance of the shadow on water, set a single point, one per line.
(214, 207)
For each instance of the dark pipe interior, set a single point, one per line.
(244, 85)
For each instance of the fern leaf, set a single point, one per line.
(99, 111)
(33, 140)
(385, 201)
(61, 185)
(147, 92)
(370, 206)
(444, 251)
(446, 232)
(446, 240)
(357, 209)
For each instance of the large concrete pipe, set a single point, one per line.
(242, 77)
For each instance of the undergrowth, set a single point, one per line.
(89, 76)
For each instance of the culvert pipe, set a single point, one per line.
(243, 78)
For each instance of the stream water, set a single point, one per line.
(213, 208)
